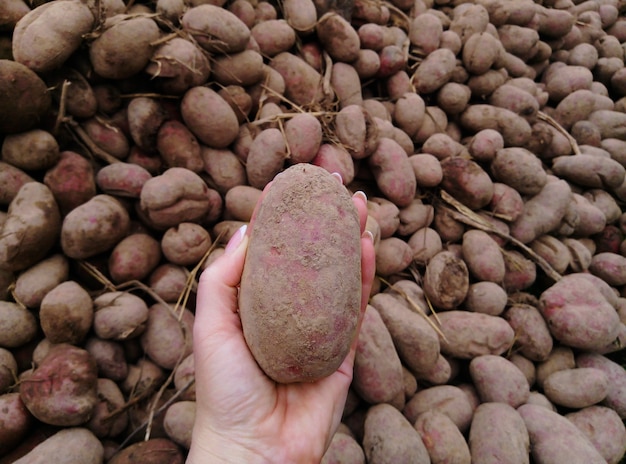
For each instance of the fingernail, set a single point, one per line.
(338, 176)
(236, 239)
(368, 234)
(361, 194)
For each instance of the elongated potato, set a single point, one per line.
(282, 328)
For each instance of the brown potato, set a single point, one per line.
(66, 313)
(216, 29)
(447, 399)
(446, 280)
(76, 445)
(165, 338)
(152, 451)
(498, 380)
(119, 315)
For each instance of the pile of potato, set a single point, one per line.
(489, 136)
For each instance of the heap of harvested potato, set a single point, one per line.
(489, 136)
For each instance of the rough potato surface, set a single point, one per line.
(305, 239)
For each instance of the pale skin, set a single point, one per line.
(241, 414)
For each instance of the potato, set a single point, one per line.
(343, 448)
(303, 84)
(30, 229)
(515, 130)
(62, 390)
(178, 422)
(519, 169)
(442, 438)
(303, 136)
(8, 370)
(337, 36)
(498, 380)
(485, 297)
(75, 445)
(415, 216)
(33, 284)
(532, 335)
(108, 136)
(543, 212)
(335, 159)
(425, 32)
(184, 377)
(553, 437)
(302, 195)
(377, 368)
(434, 71)
(244, 68)
(392, 60)
(124, 48)
(12, 179)
(15, 422)
(178, 146)
(388, 437)
(567, 79)
(446, 280)
(346, 84)
(393, 172)
(119, 315)
(604, 428)
(225, 170)
(480, 51)
(576, 388)
(216, 29)
(570, 305)
(178, 195)
(165, 338)
(185, 244)
(427, 170)
(152, 451)
(273, 36)
(209, 117)
(473, 334)
(12, 11)
(94, 227)
(415, 340)
(71, 181)
(469, 20)
(66, 313)
(177, 65)
(446, 399)
(24, 96)
(30, 150)
(110, 399)
(465, 180)
(143, 378)
(63, 35)
(301, 15)
(266, 157)
(386, 214)
(393, 255)
(578, 105)
(122, 179)
(134, 258)
(239, 202)
(610, 123)
(615, 398)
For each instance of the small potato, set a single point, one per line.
(178, 422)
(303, 84)
(515, 130)
(12, 179)
(273, 36)
(561, 357)
(239, 202)
(425, 32)
(486, 297)
(66, 23)
(484, 145)
(34, 283)
(388, 437)
(76, 445)
(184, 377)
(266, 157)
(446, 399)
(443, 146)
(225, 170)
(553, 438)
(178, 146)
(122, 179)
(498, 435)
(393, 172)
(216, 29)
(482, 256)
(244, 68)
(30, 229)
(532, 335)
(589, 170)
(567, 79)
(520, 272)
(185, 244)
(169, 281)
(446, 280)
(415, 340)
(338, 37)
(24, 95)
(576, 388)
(153, 451)
(393, 255)
(119, 316)
(178, 195)
(303, 135)
(480, 52)
(143, 377)
(610, 267)
(62, 389)
(519, 169)
(377, 367)
(386, 214)
(442, 438)
(165, 338)
(110, 398)
(134, 258)
(124, 47)
(427, 170)
(15, 422)
(66, 313)
(498, 380)
(414, 217)
(8, 371)
(109, 357)
(578, 105)
(409, 112)
(615, 398)
(570, 305)
(209, 117)
(301, 15)
(31, 150)
(108, 137)
(434, 71)
(453, 97)
(343, 448)
(610, 123)
(71, 181)
(605, 430)
(335, 159)
(473, 334)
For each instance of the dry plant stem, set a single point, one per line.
(93, 148)
(62, 106)
(468, 217)
(415, 307)
(550, 120)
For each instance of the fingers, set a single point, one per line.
(360, 201)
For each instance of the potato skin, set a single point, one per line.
(321, 266)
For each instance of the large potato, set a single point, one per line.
(216, 29)
(323, 311)
(498, 380)
(68, 446)
(66, 313)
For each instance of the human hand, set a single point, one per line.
(242, 416)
